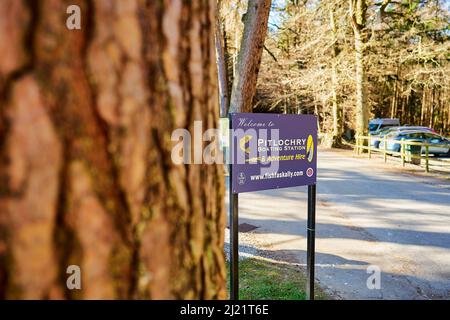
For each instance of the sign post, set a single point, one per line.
(234, 228)
(234, 247)
(311, 242)
(271, 151)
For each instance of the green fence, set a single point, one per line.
(410, 151)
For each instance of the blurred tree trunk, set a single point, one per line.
(222, 67)
(394, 100)
(250, 54)
(432, 105)
(423, 106)
(337, 112)
(358, 10)
(86, 176)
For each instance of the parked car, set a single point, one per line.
(419, 128)
(376, 143)
(438, 145)
(376, 125)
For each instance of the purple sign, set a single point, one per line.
(271, 151)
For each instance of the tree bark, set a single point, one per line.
(394, 100)
(86, 176)
(337, 117)
(250, 54)
(222, 68)
(423, 106)
(432, 105)
(358, 9)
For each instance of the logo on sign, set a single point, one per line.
(310, 150)
(241, 179)
(310, 172)
(243, 144)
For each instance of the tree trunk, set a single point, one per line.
(222, 68)
(423, 106)
(394, 101)
(250, 54)
(432, 109)
(447, 127)
(86, 172)
(358, 9)
(337, 117)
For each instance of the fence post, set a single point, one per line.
(385, 149)
(427, 153)
(402, 148)
(368, 146)
(357, 144)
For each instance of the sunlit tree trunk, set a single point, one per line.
(86, 176)
(358, 9)
(222, 68)
(394, 100)
(250, 54)
(337, 112)
(432, 107)
(447, 119)
(423, 106)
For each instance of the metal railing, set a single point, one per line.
(405, 146)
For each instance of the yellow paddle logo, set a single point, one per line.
(310, 149)
(243, 144)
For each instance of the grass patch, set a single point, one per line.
(263, 280)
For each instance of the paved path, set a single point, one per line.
(368, 214)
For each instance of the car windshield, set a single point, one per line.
(433, 137)
(373, 126)
(415, 135)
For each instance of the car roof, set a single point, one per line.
(385, 121)
(398, 129)
(413, 131)
(412, 128)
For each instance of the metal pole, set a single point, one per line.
(234, 225)
(311, 242)
(234, 245)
